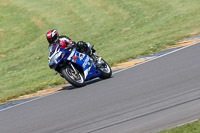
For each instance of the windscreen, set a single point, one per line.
(52, 48)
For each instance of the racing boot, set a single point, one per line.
(91, 52)
(97, 60)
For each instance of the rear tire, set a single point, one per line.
(106, 71)
(75, 79)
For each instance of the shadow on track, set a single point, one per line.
(87, 83)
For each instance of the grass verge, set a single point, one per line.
(186, 128)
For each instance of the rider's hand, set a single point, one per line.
(70, 45)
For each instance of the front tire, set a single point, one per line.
(105, 69)
(76, 79)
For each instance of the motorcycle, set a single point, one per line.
(77, 67)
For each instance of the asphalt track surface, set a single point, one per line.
(155, 95)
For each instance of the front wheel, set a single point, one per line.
(73, 76)
(105, 69)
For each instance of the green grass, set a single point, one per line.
(193, 127)
(120, 30)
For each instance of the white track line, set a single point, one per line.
(113, 73)
(29, 101)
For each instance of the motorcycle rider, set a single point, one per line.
(53, 38)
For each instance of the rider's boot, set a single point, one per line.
(91, 52)
(97, 60)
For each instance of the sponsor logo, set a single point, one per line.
(49, 34)
(81, 56)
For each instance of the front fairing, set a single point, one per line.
(55, 55)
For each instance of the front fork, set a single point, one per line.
(73, 68)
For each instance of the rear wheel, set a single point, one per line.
(73, 76)
(105, 69)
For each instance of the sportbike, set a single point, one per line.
(77, 67)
